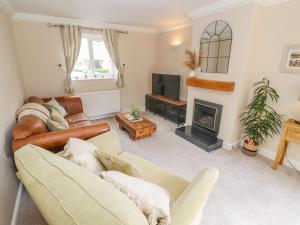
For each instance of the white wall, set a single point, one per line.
(240, 20)
(244, 21)
(170, 60)
(40, 51)
(11, 97)
(279, 28)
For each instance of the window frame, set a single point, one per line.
(103, 76)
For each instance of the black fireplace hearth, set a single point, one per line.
(205, 127)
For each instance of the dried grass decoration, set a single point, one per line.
(192, 62)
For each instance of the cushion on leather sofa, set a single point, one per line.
(54, 104)
(56, 116)
(72, 104)
(66, 193)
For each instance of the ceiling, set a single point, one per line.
(147, 13)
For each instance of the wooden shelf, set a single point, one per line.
(168, 100)
(211, 84)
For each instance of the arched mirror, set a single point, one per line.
(215, 47)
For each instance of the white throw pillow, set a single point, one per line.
(154, 201)
(82, 153)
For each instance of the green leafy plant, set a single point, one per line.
(135, 111)
(260, 120)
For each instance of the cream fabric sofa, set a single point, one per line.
(67, 194)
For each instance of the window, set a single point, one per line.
(93, 61)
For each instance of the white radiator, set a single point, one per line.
(102, 104)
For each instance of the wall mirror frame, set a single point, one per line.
(215, 47)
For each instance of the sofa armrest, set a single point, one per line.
(188, 207)
(55, 139)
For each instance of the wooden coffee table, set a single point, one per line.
(136, 130)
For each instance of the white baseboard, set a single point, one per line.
(17, 205)
(272, 154)
(98, 117)
(267, 153)
(230, 146)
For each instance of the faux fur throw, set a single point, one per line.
(154, 201)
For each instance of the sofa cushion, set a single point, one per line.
(112, 162)
(55, 126)
(54, 104)
(28, 126)
(75, 118)
(56, 116)
(66, 193)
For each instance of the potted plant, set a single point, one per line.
(135, 112)
(260, 120)
(192, 62)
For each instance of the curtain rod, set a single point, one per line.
(85, 28)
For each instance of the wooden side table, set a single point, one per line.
(291, 133)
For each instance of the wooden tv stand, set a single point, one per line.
(171, 109)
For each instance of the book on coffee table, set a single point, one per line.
(131, 118)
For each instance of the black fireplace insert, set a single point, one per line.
(205, 126)
(207, 115)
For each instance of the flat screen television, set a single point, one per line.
(166, 85)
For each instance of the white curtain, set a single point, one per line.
(71, 38)
(111, 40)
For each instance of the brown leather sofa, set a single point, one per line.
(32, 130)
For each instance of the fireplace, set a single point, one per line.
(205, 126)
(207, 115)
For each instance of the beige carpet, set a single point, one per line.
(248, 191)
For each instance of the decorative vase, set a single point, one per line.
(192, 74)
(250, 149)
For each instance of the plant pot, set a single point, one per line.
(136, 117)
(250, 149)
